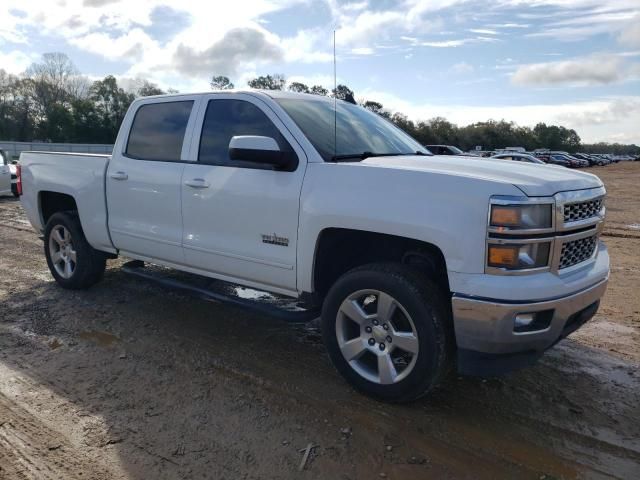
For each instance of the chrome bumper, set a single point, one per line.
(487, 326)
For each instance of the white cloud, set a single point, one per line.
(484, 31)
(363, 51)
(462, 68)
(131, 46)
(15, 61)
(446, 43)
(238, 46)
(630, 35)
(116, 30)
(580, 20)
(594, 70)
(509, 25)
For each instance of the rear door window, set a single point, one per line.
(158, 130)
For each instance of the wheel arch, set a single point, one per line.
(338, 250)
(50, 202)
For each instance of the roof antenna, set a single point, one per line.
(335, 101)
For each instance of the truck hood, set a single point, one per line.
(534, 180)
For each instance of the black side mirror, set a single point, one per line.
(263, 150)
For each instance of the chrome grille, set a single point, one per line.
(577, 251)
(574, 212)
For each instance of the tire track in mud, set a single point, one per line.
(31, 450)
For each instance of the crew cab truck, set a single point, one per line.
(419, 263)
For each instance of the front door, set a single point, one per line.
(240, 219)
(144, 181)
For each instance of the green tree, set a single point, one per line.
(299, 87)
(268, 82)
(375, 107)
(319, 90)
(148, 89)
(342, 92)
(111, 103)
(220, 82)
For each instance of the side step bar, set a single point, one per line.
(265, 303)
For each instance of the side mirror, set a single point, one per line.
(264, 150)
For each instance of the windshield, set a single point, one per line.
(455, 150)
(358, 130)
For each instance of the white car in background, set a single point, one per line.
(7, 175)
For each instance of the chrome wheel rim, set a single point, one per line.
(62, 252)
(377, 337)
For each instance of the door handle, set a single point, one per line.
(197, 183)
(119, 176)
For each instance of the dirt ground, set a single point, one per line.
(130, 381)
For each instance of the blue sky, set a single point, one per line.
(573, 62)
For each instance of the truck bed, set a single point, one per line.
(81, 176)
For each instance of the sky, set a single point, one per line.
(569, 62)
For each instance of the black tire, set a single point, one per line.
(90, 263)
(430, 311)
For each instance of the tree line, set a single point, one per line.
(52, 102)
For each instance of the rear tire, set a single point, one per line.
(398, 356)
(74, 263)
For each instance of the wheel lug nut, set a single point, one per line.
(385, 326)
(375, 322)
(389, 338)
(372, 341)
(367, 329)
(381, 346)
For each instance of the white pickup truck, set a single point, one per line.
(418, 262)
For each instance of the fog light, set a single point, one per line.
(532, 321)
(523, 320)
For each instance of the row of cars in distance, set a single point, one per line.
(553, 157)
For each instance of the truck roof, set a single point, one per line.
(269, 93)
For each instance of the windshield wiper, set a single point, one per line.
(367, 154)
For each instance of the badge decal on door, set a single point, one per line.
(274, 239)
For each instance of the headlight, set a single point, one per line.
(518, 256)
(520, 216)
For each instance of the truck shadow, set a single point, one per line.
(186, 388)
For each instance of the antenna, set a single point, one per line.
(335, 101)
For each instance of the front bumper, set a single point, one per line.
(487, 342)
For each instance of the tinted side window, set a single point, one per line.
(158, 131)
(225, 119)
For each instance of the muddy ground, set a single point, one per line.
(130, 381)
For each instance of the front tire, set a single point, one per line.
(74, 263)
(388, 331)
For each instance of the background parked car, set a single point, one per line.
(554, 159)
(448, 150)
(518, 157)
(589, 158)
(5, 174)
(574, 162)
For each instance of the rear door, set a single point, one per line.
(5, 175)
(144, 179)
(240, 218)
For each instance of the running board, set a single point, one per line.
(284, 308)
